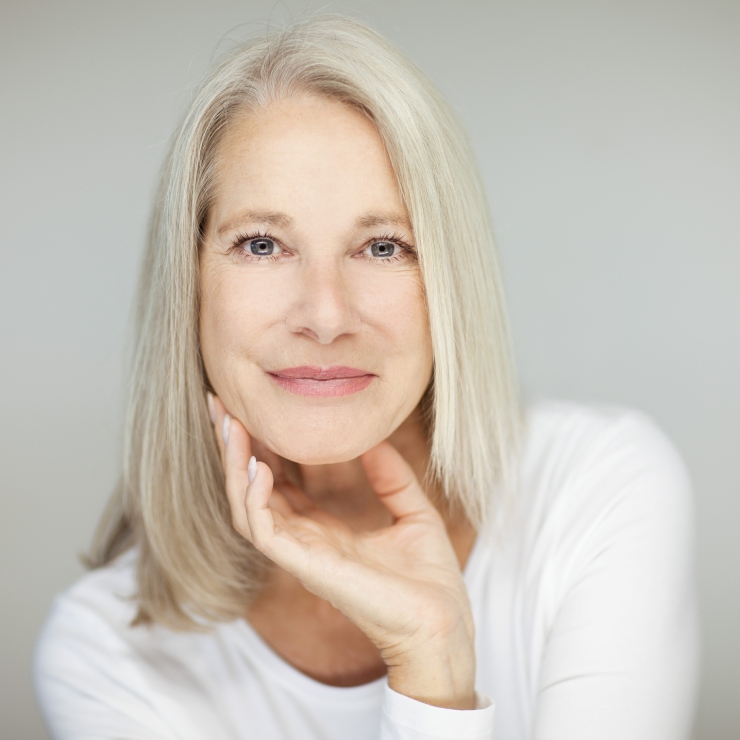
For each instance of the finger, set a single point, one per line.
(271, 459)
(268, 515)
(297, 498)
(237, 452)
(217, 412)
(392, 478)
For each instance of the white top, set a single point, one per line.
(585, 623)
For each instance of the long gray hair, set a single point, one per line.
(171, 502)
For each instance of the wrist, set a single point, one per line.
(440, 675)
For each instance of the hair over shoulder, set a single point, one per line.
(171, 502)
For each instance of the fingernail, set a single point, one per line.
(252, 469)
(211, 407)
(225, 430)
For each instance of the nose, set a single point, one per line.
(323, 307)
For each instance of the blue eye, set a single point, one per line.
(383, 249)
(261, 247)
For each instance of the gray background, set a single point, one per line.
(608, 135)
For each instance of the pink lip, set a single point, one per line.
(309, 380)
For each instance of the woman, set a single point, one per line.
(334, 520)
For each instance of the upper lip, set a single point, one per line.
(314, 372)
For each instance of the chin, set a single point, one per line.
(321, 441)
(322, 450)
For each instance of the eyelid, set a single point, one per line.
(394, 239)
(241, 239)
(245, 237)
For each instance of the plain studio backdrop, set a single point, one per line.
(608, 134)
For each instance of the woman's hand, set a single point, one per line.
(401, 585)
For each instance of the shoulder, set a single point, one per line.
(565, 441)
(87, 629)
(102, 600)
(576, 431)
(589, 471)
(90, 617)
(94, 673)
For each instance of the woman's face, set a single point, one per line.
(313, 323)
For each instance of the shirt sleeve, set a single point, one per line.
(404, 718)
(620, 657)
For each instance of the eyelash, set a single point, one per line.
(242, 239)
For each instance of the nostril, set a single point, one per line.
(323, 308)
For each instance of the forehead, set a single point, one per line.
(301, 120)
(305, 153)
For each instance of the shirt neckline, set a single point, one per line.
(295, 680)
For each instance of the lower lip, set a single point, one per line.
(332, 387)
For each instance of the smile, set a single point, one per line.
(308, 380)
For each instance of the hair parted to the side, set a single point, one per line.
(171, 503)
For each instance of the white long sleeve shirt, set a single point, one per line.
(585, 622)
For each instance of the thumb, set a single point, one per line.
(392, 478)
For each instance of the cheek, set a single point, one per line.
(233, 315)
(396, 307)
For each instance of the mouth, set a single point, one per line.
(309, 380)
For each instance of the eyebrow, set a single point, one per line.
(275, 218)
(260, 217)
(371, 220)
